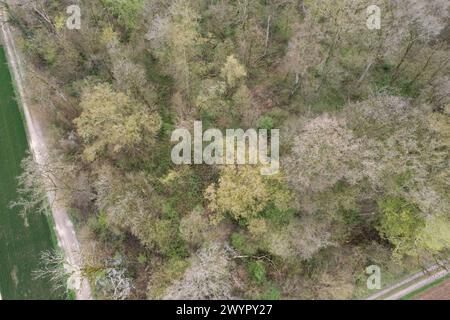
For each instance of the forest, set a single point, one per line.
(364, 120)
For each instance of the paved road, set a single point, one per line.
(65, 230)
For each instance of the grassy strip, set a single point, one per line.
(52, 226)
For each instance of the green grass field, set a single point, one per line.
(20, 245)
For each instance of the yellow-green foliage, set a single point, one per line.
(400, 223)
(140, 68)
(127, 11)
(111, 123)
(435, 236)
(244, 193)
(233, 71)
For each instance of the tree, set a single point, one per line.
(257, 227)
(177, 43)
(428, 17)
(131, 204)
(438, 92)
(370, 173)
(110, 277)
(47, 181)
(400, 223)
(127, 12)
(32, 188)
(407, 140)
(233, 71)
(113, 280)
(130, 76)
(129, 201)
(209, 276)
(340, 42)
(242, 100)
(245, 200)
(210, 99)
(323, 152)
(194, 226)
(301, 238)
(111, 123)
(236, 195)
(435, 236)
(251, 38)
(304, 54)
(53, 268)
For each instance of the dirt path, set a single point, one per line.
(65, 231)
(410, 284)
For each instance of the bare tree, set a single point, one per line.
(50, 180)
(110, 276)
(208, 277)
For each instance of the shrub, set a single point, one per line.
(257, 271)
(265, 122)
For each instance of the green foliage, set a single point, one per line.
(399, 223)
(164, 234)
(177, 44)
(129, 126)
(265, 122)
(435, 236)
(118, 89)
(271, 293)
(184, 188)
(237, 241)
(99, 225)
(243, 201)
(142, 258)
(350, 217)
(177, 249)
(385, 81)
(165, 275)
(127, 12)
(71, 295)
(276, 215)
(257, 271)
(242, 244)
(233, 71)
(170, 213)
(193, 227)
